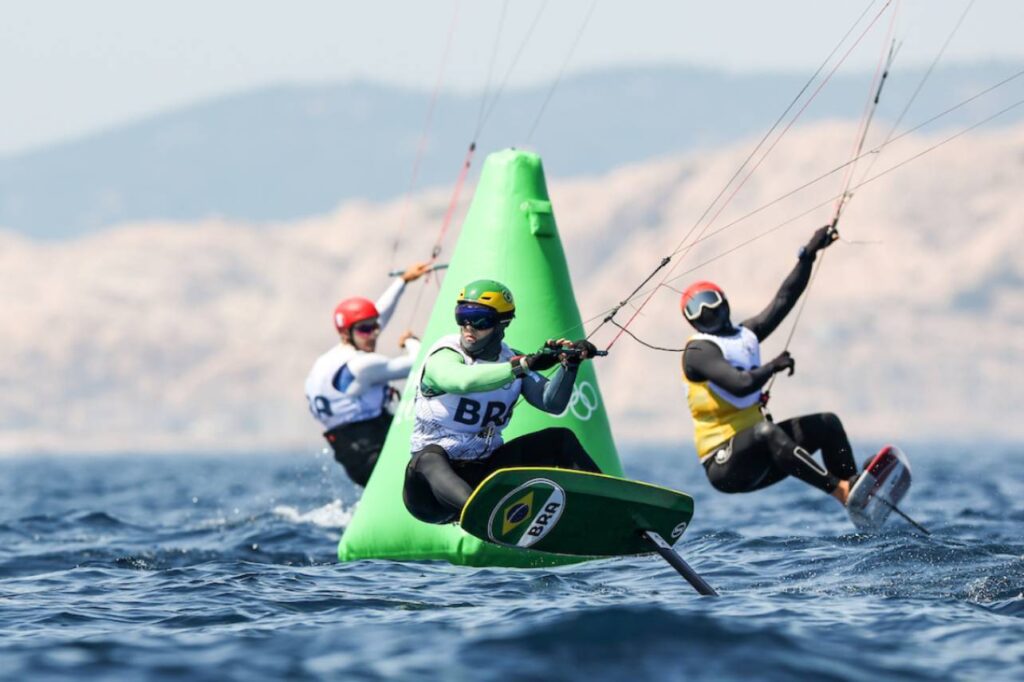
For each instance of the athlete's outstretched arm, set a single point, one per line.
(703, 361)
(768, 320)
(551, 395)
(371, 369)
(446, 372)
(388, 301)
(771, 317)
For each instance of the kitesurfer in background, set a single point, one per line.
(741, 449)
(348, 389)
(469, 384)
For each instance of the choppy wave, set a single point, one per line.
(151, 568)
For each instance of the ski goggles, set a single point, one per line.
(709, 298)
(476, 316)
(366, 328)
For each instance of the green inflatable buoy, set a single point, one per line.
(509, 235)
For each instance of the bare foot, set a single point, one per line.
(842, 492)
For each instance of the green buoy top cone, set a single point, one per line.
(509, 235)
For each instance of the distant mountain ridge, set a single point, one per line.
(285, 152)
(198, 336)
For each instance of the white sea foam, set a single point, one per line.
(334, 514)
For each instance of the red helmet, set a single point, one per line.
(353, 310)
(698, 296)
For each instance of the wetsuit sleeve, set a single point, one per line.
(388, 301)
(551, 395)
(765, 322)
(446, 372)
(703, 361)
(372, 369)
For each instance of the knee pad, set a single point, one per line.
(809, 460)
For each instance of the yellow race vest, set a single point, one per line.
(717, 414)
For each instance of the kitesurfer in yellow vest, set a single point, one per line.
(469, 385)
(741, 450)
(347, 389)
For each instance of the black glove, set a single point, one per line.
(783, 362)
(541, 360)
(585, 349)
(534, 362)
(556, 349)
(821, 239)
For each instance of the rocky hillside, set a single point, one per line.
(189, 336)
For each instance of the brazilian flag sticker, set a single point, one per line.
(526, 514)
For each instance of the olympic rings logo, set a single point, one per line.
(583, 402)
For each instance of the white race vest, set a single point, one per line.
(741, 350)
(329, 404)
(466, 426)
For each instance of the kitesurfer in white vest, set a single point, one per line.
(469, 384)
(742, 450)
(347, 389)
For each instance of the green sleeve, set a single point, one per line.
(446, 372)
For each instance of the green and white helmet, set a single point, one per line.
(489, 293)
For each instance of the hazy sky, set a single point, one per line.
(71, 67)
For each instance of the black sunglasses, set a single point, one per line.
(479, 320)
(366, 327)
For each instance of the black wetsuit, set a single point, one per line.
(357, 445)
(768, 452)
(437, 488)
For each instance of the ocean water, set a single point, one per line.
(142, 567)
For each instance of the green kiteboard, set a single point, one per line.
(577, 513)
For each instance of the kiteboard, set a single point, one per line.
(879, 490)
(578, 513)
